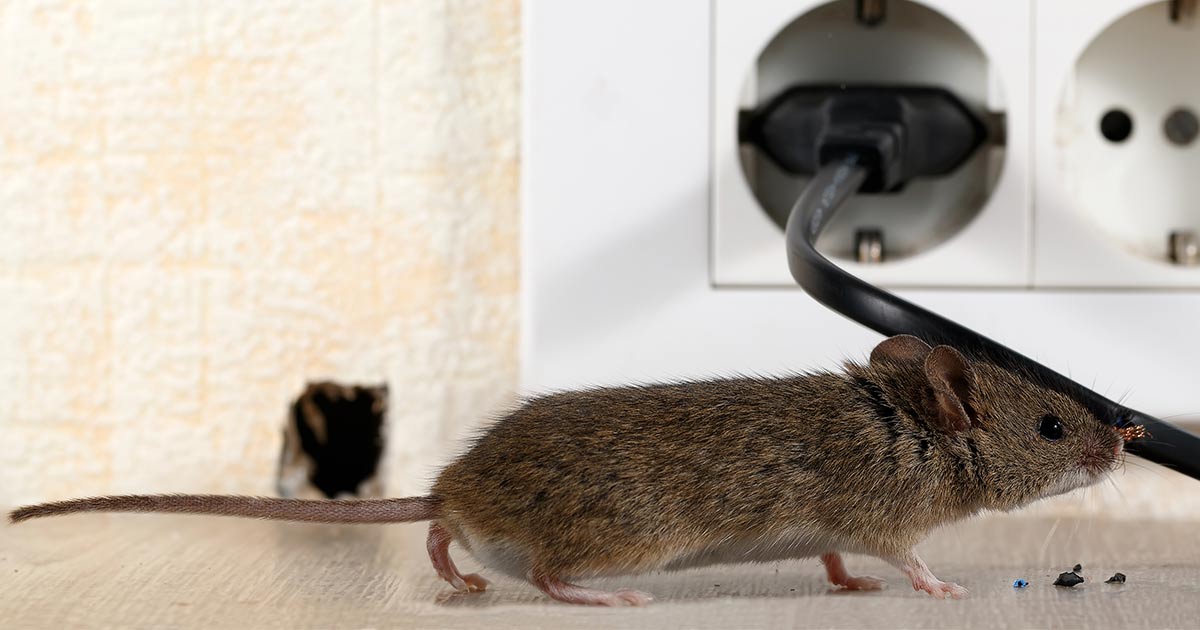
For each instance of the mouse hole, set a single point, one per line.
(333, 442)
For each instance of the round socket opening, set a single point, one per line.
(910, 44)
(1181, 127)
(1137, 187)
(1116, 125)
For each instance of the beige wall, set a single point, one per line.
(204, 203)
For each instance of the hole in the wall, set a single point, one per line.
(333, 442)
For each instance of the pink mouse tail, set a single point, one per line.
(313, 511)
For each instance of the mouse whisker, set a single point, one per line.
(1139, 465)
(1046, 542)
(1121, 493)
(1071, 536)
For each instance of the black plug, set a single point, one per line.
(898, 132)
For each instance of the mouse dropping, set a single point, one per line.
(1068, 579)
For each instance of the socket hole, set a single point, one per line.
(1116, 125)
(1181, 127)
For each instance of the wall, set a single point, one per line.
(205, 203)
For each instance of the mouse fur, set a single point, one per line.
(625, 480)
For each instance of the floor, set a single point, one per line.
(132, 571)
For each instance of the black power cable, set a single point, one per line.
(836, 181)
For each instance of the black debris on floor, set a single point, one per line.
(1068, 579)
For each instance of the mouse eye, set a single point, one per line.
(1050, 427)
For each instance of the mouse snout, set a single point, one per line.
(1102, 456)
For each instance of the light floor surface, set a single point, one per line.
(156, 571)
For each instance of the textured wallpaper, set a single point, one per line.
(205, 203)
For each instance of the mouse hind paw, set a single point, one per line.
(634, 598)
(438, 546)
(575, 594)
(863, 583)
(835, 570)
(475, 582)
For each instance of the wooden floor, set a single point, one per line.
(136, 571)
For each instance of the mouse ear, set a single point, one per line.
(900, 349)
(950, 377)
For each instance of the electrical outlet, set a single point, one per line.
(1113, 182)
(631, 183)
(980, 212)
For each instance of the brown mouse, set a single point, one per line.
(626, 480)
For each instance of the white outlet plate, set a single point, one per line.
(747, 245)
(1147, 68)
(617, 285)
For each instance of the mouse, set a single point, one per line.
(625, 480)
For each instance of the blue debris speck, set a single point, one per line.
(1020, 583)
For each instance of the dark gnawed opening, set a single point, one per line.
(333, 442)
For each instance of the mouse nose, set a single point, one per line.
(1118, 447)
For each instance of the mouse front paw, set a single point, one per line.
(940, 589)
(924, 580)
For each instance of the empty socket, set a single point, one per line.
(1135, 187)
